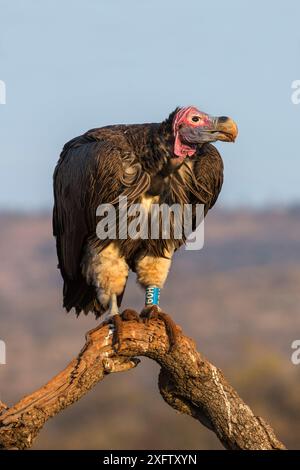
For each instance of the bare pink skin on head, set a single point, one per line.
(184, 117)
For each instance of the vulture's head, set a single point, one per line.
(192, 127)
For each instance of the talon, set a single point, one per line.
(171, 328)
(130, 315)
(149, 312)
(155, 312)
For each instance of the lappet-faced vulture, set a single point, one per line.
(172, 162)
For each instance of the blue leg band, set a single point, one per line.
(152, 295)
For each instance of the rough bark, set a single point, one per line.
(188, 382)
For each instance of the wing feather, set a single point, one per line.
(90, 171)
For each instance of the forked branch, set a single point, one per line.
(188, 382)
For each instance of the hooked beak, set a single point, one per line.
(225, 128)
(219, 128)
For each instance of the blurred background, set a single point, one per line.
(73, 65)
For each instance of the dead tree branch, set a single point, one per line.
(188, 382)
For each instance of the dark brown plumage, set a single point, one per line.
(133, 160)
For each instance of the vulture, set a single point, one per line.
(171, 162)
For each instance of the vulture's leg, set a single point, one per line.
(114, 317)
(152, 273)
(107, 270)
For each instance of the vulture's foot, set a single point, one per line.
(130, 315)
(117, 322)
(154, 312)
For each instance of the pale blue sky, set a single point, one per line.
(70, 65)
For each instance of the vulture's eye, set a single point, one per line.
(195, 118)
